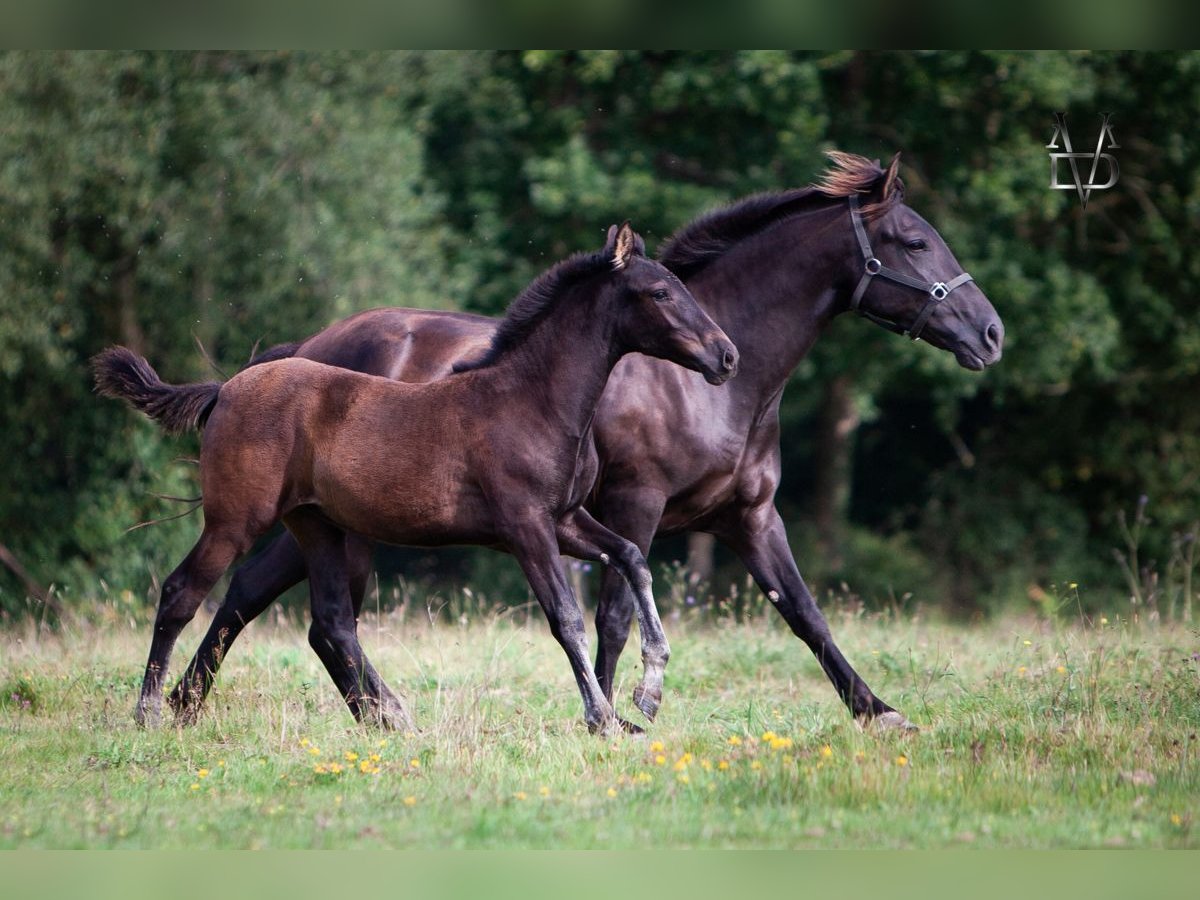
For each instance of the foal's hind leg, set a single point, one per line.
(581, 535)
(334, 632)
(256, 584)
(182, 594)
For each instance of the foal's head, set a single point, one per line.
(658, 316)
(901, 243)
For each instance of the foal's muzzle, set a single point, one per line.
(725, 365)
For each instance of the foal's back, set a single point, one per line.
(392, 460)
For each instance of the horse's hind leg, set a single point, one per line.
(255, 585)
(581, 535)
(182, 594)
(334, 632)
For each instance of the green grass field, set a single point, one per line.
(1033, 735)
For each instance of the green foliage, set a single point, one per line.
(149, 198)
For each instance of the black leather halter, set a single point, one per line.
(937, 290)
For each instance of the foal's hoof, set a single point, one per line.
(891, 721)
(648, 700)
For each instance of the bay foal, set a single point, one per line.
(489, 456)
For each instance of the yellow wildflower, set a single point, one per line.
(612, 792)
(382, 743)
(735, 741)
(756, 765)
(303, 742)
(220, 763)
(195, 785)
(315, 751)
(902, 760)
(1073, 585)
(658, 747)
(410, 801)
(335, 768)
(203, 773)
(544, 791)
(374, 757)
(1176, 819)
(320, 769)
(1028, 643)
(414, 763)
(706, 765)
(643, 778)
(683, 778)
(723, 765)
(1103, 620)
(780, 743)
(1061, 670)
(768, 736)
(826, 751)
(660, 760)
(520, 795)
(351, 756)
(1021, 670)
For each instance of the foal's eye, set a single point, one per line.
(660, 295)
(917, 244)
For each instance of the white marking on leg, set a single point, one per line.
(604, 558)
(773, 596)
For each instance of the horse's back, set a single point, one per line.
(409, 345)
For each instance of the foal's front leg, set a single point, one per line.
(581, 535)
(536, 549)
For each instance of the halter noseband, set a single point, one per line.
(937, 290)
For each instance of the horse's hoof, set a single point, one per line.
(147, 716)
(892, 721)
(647, 700)
(629, 728)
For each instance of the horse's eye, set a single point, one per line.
(660, 295)
(917, 244)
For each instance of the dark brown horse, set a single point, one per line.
(675, 455)
(487, 457)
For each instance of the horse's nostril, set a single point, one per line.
(729, 360)
(992, 336)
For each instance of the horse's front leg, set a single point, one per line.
(581, 535)
(534, 545)
(759, 538)
(634, 515)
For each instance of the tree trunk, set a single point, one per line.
(700, 557)
(837, 423)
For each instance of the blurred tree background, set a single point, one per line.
(165, 200)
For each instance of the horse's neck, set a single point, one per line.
(775, 292)
(561, 367)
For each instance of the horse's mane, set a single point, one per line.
(700, 242)
(533, 303)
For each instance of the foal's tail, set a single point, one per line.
(121, 373)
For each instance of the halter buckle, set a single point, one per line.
(939, 291)
(873, 266)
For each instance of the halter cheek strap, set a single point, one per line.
(872, 267)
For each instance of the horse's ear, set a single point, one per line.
(628, 245)
(610, 241)
(889, 179)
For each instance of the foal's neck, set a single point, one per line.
(561, 367)
(774, 293)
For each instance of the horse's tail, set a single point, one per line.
(121, 373)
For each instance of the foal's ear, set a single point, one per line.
(628, 244)
(889, 179)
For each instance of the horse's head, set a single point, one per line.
(659, 316)
(906, 278)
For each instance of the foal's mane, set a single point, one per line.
(700, 242)
(535, 302)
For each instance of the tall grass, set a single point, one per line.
(1034, 735)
